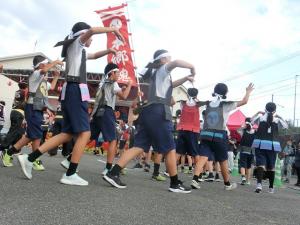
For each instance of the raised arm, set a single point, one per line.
(181, 64)
(100, 54)
(244, 101)
(51, 65)
(55, 79)
(180, 81)
(282, 122)
(100, 30)
(124, 93)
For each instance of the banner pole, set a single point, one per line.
(132, 53)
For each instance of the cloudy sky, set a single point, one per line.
(230, 41)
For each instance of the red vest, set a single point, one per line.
(189, 119)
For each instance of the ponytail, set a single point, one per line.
(269, 119)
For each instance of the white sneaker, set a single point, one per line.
(271, 190)
(65, 164)
(166, 174)
(258, 188)
(25, 165)
(73, 180)
(230, 187)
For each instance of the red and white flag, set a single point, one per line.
(115, 17)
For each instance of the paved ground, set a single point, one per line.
(44, 201)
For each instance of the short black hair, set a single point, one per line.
(37, 59)
(109, 67)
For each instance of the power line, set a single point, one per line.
(260, 68)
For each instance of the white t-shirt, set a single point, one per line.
(163, 81)
(34, 81)
(110, 97)
(74, 55)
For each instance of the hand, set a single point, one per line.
(129, 82)
(193, 71)
(250, 88)
(190, 78)
(140, 94)
(119, 35)
(113, 51)
(59, 62)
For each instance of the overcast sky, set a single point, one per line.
(222, 39)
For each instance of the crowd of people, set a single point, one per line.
(203, 143)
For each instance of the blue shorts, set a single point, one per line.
(155, 130)
(265, 158)
(105, 124)
(75, 111)
(246, 160)
(34, 120)
(187, 143)
(217, 147)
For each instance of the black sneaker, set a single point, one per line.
(195, 184)
(138, 166)
(114, 180)
(217, 177)
(147, 168)
(210, 178)
(180, 188)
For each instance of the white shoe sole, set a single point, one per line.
(179, 191)
(112, 182)
(68, 182)
(22, 163)
(233, 186)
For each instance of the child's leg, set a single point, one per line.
(190, 162)
(125, 159)
(111, 154)
(225, 171)
(200, 161)
(157, 160)
(55, 141)
(22, 142)
(80, 143)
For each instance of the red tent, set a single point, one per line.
(236, 120)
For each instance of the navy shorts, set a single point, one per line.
(154, 130)
(217, 147)
(75, 111)
(265, 158)
(34, 120)
(246, 160)
(187, 143)
(105, 124)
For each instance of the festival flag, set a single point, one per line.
(115, 17)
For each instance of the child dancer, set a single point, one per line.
(266, 144)
(155, 120)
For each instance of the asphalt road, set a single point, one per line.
(43, 200)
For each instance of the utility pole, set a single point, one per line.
(272, 97)
(295, 96)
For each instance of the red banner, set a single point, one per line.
(115, 17)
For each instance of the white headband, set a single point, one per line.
(113, 70)
(45, 61)
(166, 54)
(72, 35)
